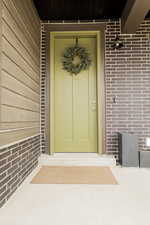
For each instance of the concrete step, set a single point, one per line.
(77, 159)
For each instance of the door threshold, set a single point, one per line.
(77, 159)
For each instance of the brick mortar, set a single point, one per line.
(16, 163)
(127, 76)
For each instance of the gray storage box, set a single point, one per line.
(144, 158)
(128, 150)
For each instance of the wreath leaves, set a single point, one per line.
(69, 56)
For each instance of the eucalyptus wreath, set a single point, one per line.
(75, 59)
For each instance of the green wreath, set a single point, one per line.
(75, 59)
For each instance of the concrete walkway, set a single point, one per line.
(127, 203)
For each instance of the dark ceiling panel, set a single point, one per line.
(79, 9)
(148, 14)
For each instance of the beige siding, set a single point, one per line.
(16, 135)
(19, 70)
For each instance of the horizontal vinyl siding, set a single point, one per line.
(19, 31)
(10, 35)
(18, 125)
(14, 54)
(27, 30)
(14, 69)
(11, 113)
(20, 72)
(10, 82)
(17, 135)
(7, 97)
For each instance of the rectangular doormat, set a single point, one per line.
(74, 175)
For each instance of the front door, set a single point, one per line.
(75, 100)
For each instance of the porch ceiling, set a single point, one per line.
(79, 9)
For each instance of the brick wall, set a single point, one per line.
(16, 163)
(43, 86)
(127, 77)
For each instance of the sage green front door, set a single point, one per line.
(75, 100)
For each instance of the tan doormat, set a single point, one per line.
(74, 175)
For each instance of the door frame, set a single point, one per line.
(82, 29)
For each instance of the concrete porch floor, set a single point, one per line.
(124, 204)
